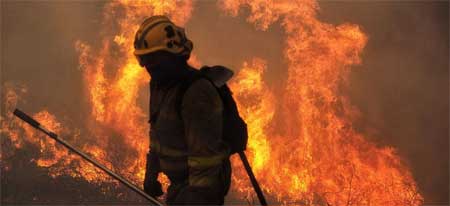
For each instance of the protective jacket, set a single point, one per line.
(186, 141)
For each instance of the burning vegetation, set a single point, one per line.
(313, 156)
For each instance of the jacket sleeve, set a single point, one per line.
(202, 115)
(152, 165)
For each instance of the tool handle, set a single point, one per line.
(38, 126)
(26, 118)
(253, 180)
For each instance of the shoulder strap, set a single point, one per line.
(217, 75)
(154, 116)
(185, 84)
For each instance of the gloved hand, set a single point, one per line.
(153, 188)
(151, 185)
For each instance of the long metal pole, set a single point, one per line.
(54, 136)
(252, 177)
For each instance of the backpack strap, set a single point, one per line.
(217, 75)
(155, 114)
(185, 84)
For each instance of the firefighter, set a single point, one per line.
(185, 139)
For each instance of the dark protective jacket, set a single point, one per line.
(186, 141)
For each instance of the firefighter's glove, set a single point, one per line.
(153, 188)
(151, 185)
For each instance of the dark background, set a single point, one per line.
(401, 88)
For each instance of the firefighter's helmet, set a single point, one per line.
(158, 33)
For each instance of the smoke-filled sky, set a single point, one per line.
(401, 87)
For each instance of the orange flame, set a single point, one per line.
(113, 85)
(319, 159)
(313, 156)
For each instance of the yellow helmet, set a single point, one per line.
(158, 33)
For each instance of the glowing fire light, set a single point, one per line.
(315, 158)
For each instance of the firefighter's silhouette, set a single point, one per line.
(186, 122)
